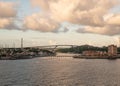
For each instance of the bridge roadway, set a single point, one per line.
(52, 48)
(55, 46)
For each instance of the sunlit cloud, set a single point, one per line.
(94, 15)
(7, 15)
(114, 20)
(105, 30)
(40, 23)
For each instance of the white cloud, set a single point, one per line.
(114, 20)
(111, 26)
(105, 30)
(7, 13)
(4, 22)
(40, 23)
(7, 9)
(93, 14)
(78, 11)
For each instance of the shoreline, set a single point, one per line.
(20, 57)
(97, 57)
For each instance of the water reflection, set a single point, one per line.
(60, 72)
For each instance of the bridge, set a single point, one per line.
(42, 50)
(52, 48)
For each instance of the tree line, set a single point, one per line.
(80, 49)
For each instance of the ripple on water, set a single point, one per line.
(60, 72)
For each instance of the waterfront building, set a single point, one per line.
(94, 53)
(112, 50)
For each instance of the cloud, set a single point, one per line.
(114, 20)
(40, 23)
(111, 26)
(4, 22)
(7, 14)
(105, 30)
(7, 9)
(76, 11)
(93, 14)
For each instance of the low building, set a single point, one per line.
(94, 53)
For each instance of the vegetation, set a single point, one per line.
(119, 50)
(23, 53)
(80, 49)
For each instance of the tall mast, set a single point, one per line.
(119, 42)
(21, 43)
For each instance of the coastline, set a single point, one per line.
(20, 57)
(97, 57)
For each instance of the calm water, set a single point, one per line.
(60, 72)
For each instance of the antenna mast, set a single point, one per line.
(119, 42)
(21, 43)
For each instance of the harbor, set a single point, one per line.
(97, 57)
(112, 53)
(26, 53)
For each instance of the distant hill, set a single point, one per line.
(80, 49)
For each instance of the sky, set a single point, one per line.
(50, 22)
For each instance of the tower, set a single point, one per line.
(21, 43)
(119, 43)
